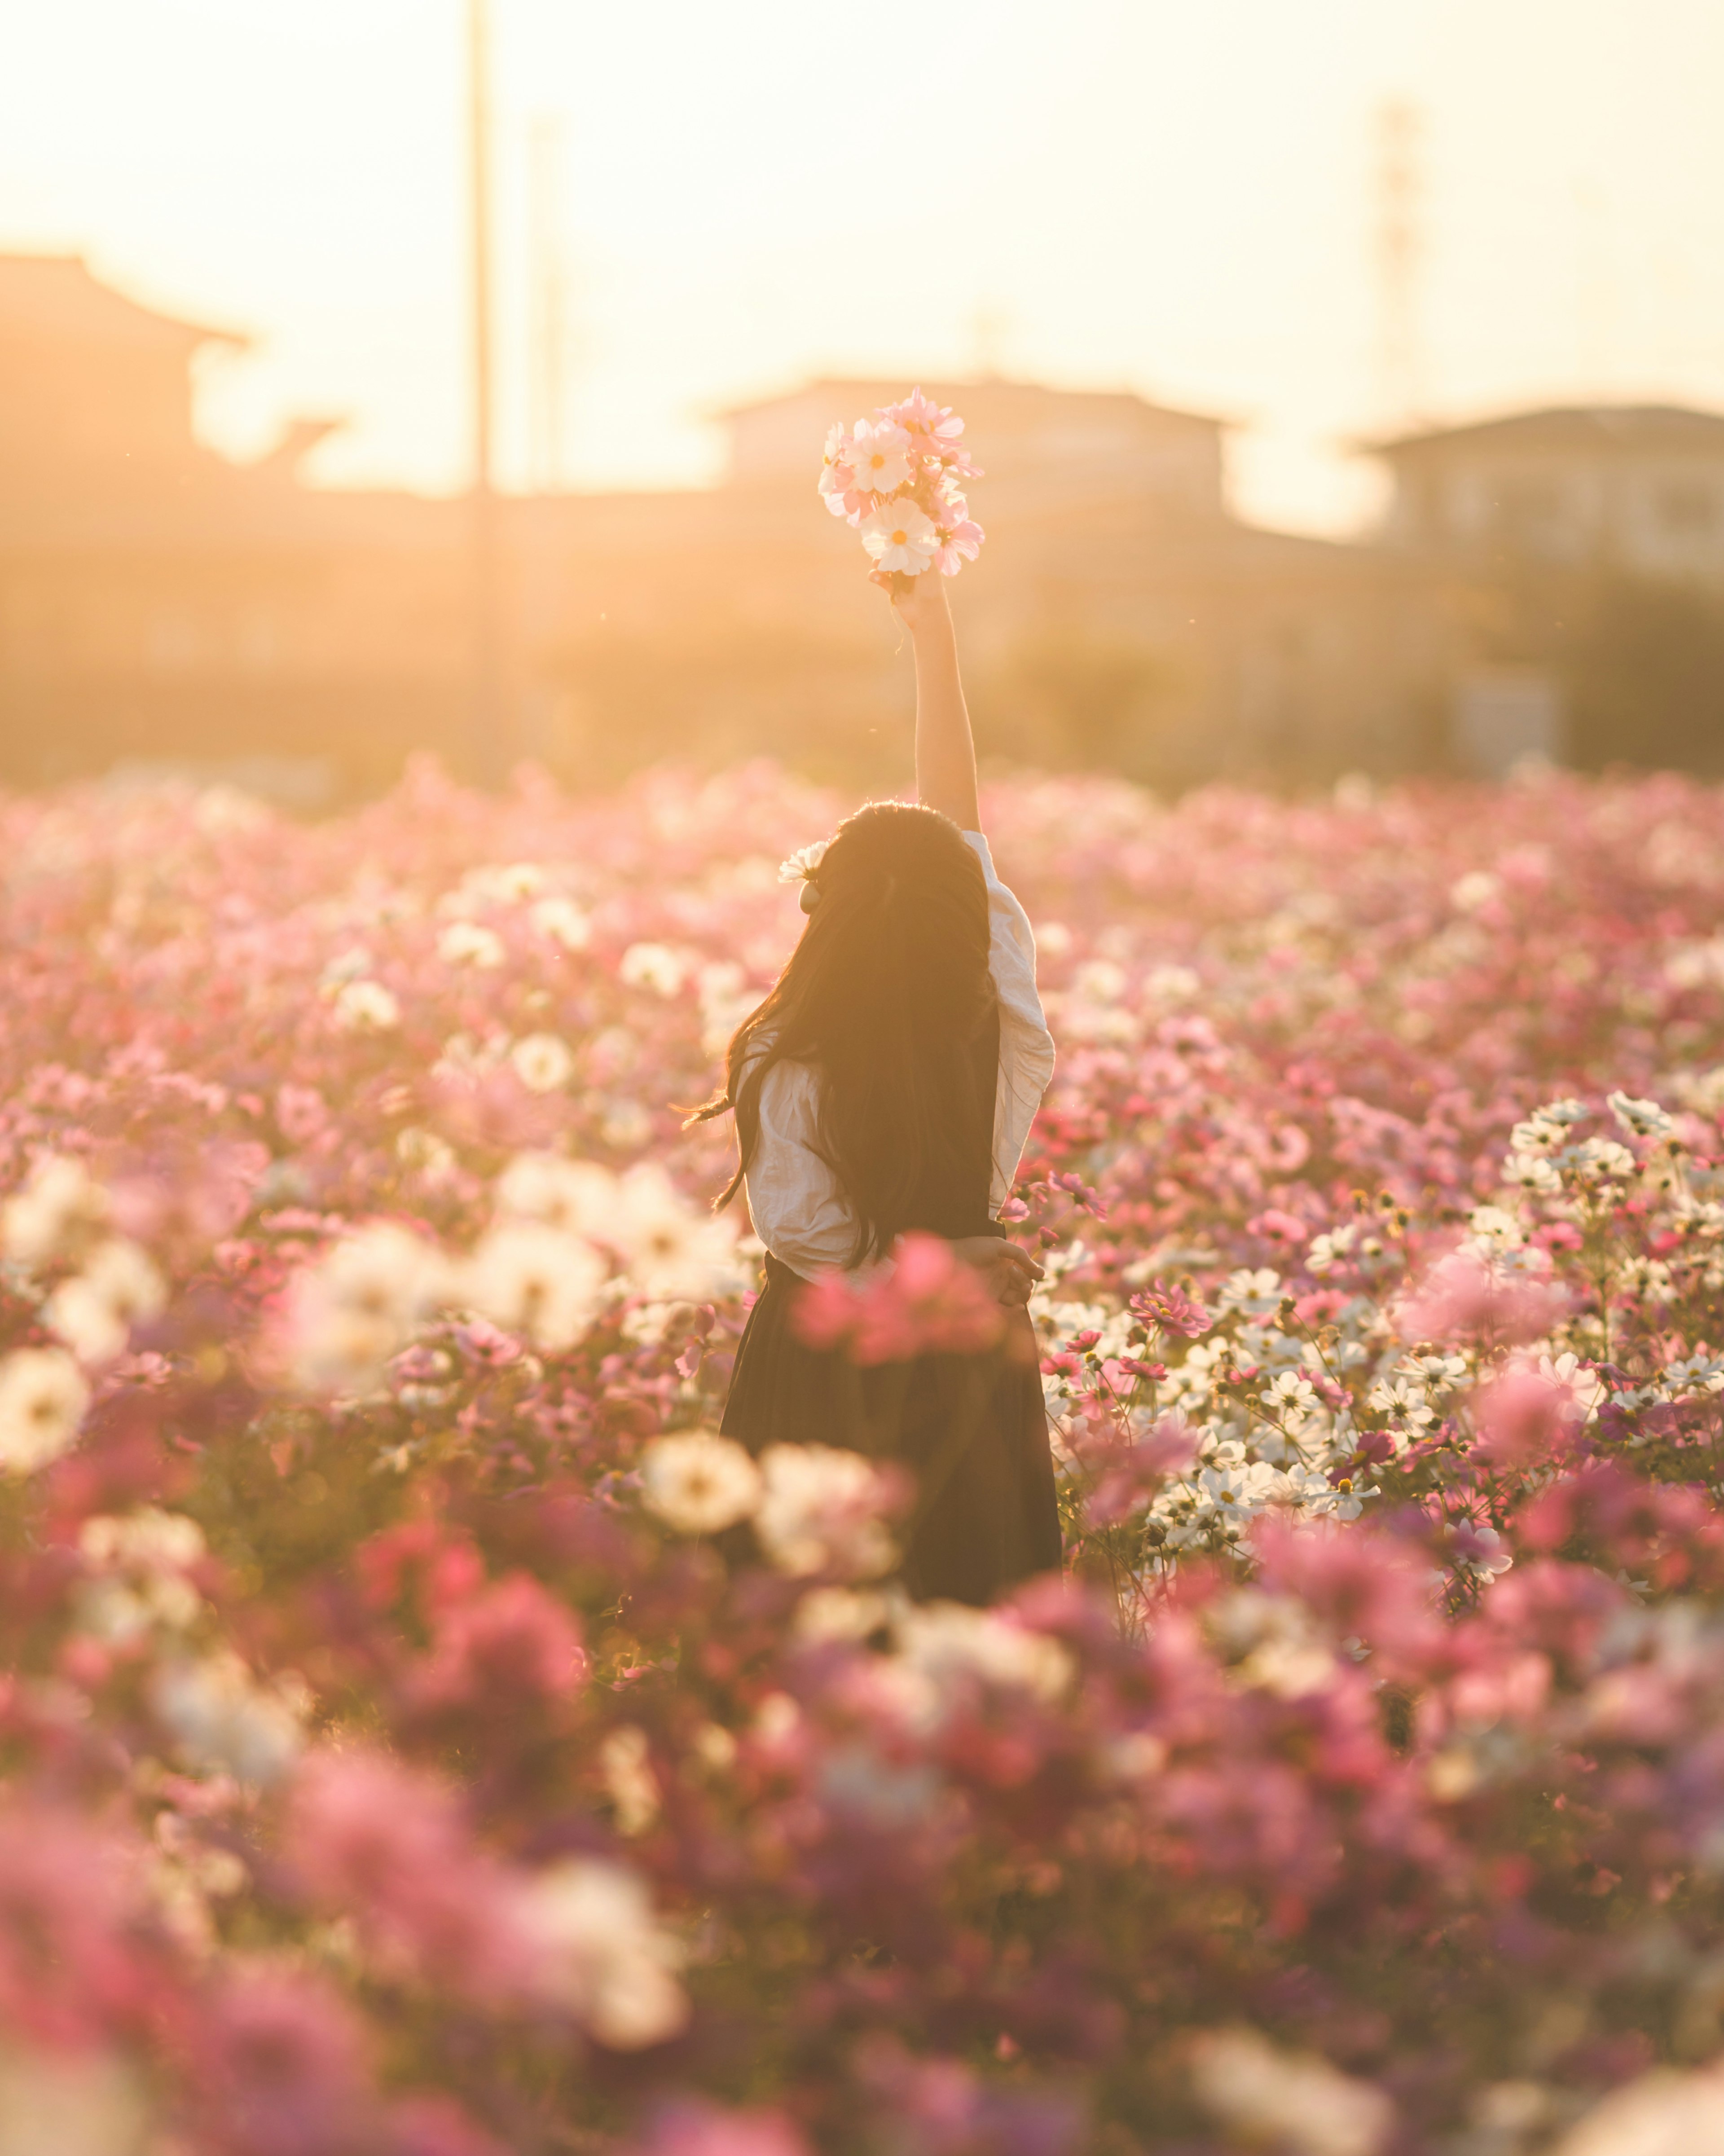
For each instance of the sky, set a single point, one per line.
(1151, 194)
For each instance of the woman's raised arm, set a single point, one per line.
(945, 750)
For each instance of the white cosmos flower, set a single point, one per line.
(148, 1539)
(361, 1303)
(537, 1281)
(878, 455)
(60, 1204)
(1663, 2113)
(1294, 2099)
(674, 1251)
(1476, 888)
(222, 1719)
(542, 1062)
(577, 1196)
(563, 921)
(821, 1513)
(955, 1648)
(625, 1761)
(625, 1124)
(1640, 1119)
(365, 1007)
(43, 1400)
(900, 538)
(801, 865)
(1493, 1229)
(470, 943)
(607, 1959)
(94, 1311)
(699, 1483)
(654, 966)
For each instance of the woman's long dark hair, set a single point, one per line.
(884, 996)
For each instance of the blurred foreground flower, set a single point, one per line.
(924, 1301)
(700, 1483)
(824, 1511)
(43, 1400)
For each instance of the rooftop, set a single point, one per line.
(1597, 427)
(848, 395)
(55, 296)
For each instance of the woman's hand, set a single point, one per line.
(1009, 1273)
(919, 602)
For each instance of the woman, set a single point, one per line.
(887, 1084)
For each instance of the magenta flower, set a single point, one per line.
(925, 1301)
(1170, 1309)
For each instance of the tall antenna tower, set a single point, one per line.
(1398, 249)
(549, 330)
(488, 716)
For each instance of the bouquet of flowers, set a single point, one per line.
(897, 478)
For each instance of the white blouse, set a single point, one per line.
(800, 1212)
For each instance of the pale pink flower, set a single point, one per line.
(1473, 1297)
(900, 537)
(935, 430)
(879, 456)
(838, 487)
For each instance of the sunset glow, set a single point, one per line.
(1115, 193)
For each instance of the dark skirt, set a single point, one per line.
(972, 1430)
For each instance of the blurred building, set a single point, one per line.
(1638, 489)
(1580, 554)
(161, 604)
(1121, 615)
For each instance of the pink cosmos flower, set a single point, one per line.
(959, 534)
(1472, 1296)
(511, 1643)
(437, 2126)
(375, 1841)
(926, 1300)
(283, 2067)
(935, 430)
(1526, 1413)
(67, 1971)
(697, 2128)
(1130, 1475)
(1170, 1309)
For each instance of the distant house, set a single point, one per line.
(1580, 554)
(1634, 489)
(1052, 445)
(159, 602)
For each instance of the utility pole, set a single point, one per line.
(488, 743)
(549, 304)
(1398, 236)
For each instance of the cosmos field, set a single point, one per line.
(421, 1735)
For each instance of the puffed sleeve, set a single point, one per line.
(1026, 1045)
(799, 1207)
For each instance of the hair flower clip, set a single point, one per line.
(801, 867)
